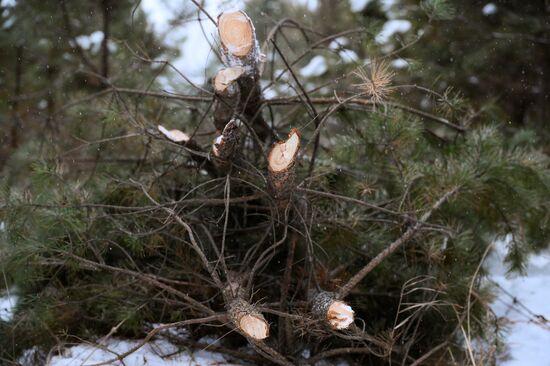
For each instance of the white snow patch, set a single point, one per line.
(86, 42)
(358, 5)
(400, 63)
(8, 301)
(489, 9)
(348, 56)
(529, 333)
(317, 66)
(338, 43)
(31, 357)
(390, 28)
(2, 226)
(93, 42)
(159, 352)
(269, 93)
(8, 22)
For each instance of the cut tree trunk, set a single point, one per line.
(238, 40)
(281, 167)
(248, 320)
(226, 89)
(336, 313)
(240, 49)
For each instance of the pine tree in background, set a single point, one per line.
(344, 212)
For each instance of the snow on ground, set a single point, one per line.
(528, 337)
(156, 353)
(8, 300)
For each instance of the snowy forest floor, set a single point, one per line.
(523, 302)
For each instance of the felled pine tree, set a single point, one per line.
(344, 225)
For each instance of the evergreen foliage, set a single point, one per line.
(91, 192)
